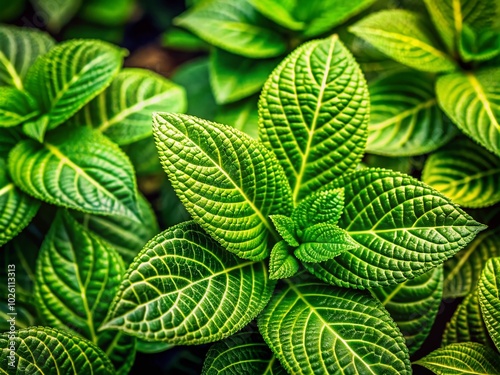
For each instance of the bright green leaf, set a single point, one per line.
(399, 164)
(16, 106)
(286, 228)
(321, 207)
(406, 37)
(184, 288)
(489, 298)
(281, 12)
(478, 46)
(316, 328)
(314, 114)
(180, 39)
(282, 264)
(228, 182)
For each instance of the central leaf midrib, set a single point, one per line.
(483, 99)
(402, 115)
(7, 188)
(468, 179)
(12, 71)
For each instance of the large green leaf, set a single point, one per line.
(314, 328)
(406, 37)
(414, 305)
(463, 270)
(471, 100)
(234, 26)
(76, 280)
(19, 47)
(242, 353)
(47, 351)
(123, 111)
(70, 75)
(402, 226)
(184, 288)
(77, 168)
(16, 208)
(228, 182)
(16, 106)
(464, 358)
(489, 298)
(450, 16)
(466, 173)
(405, 119)
(314, 114)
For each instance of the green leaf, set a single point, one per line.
(36, 128)
(282, 264)
(403, 229)
(184, 288)
(406, 37)
(399, 164)
(414, 305)
(464, 269)
(463, 358)
(70, 75)
(77, 278)
(470, 99)
(286, 228)
(482, 45)
(9, 137)
(242, 115)
(16, 106)
(489, 298)
(183, 40)
(19, 47)
(281, 12)
(242, 353)
(44, 351)
(405, 119)
(235, 27)
(321, 207)
(56, 14)
(144, 157)
(228, 182)
(123, 111)
(77, 168)
(316, 328)
(124, 234)
(467, 323)
(314, 114)
(236, 77)
(449, 17)
(466, 173)
(16, 208)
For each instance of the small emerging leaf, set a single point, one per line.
(282, 264)
(286, 228)
(322, 207)
(16, 106)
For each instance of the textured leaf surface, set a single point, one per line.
(242, 353)
(322, 207)
(286, 228)
(414, 305)
(79, 169)
(405, 119)
(44, 351)
(466, 173)
(403, 229)
(184, 288)
(406, 37)
(228, 182)
(70, 75)
(233, 26)
(16, 106)
(314, 328)
(123, 111)
(19, 47)
(489, 299)
(463, 358)
(282, 264)
(314, 114)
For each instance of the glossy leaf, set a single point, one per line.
(282, 264)
(314, 114)
(16, 106)
(316, 328)
(19, 47)
(44, 351)
(184, 288)
(228, 182)
(489, 298)
(414, 305)
(406, 37)
(80, 169)
(466, 173)
(403, 229)
(470, 99)
(405, 119)
(123, 111)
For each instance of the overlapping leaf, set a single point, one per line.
(19, 47)
(282, 264)
(16, 106)
(403, 229)
(44, 351)
(80, 169)
(470, 99)
(414, 305)
(316, 328)
(405, 119)
(489, 298)
(184, 288)
(242, 115)
(123, 111)
(406, 37)
(314, 113)
(228, 182)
